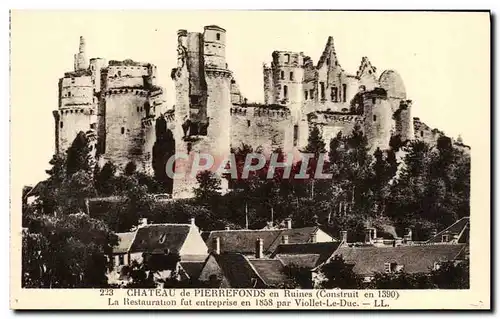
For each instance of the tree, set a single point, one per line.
(401, 280)
(49, 195)
(209, 188)
(105, 179)
(338, 274)
(69, 251)
(79, 155)
(452, 275)
(301, 277)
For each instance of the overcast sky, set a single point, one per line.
(443, 59)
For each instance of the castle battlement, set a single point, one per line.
(134, 91)
(76, 110)
(322, 117)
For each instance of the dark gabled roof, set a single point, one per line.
(237, 270)
(295, 236)
(303, 260)
(192, 269)
(460, 228)
(241, 241)
(157, 238)
(269, 270)
(124, 243)
(310, 252)
(368, 260)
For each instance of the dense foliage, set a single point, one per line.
(409, 185)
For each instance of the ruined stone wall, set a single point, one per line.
(404, 126)
(268, 85)
(425, 133)
(127, 75)
(69, 122)
(330, 124)
(288, 77)
(126, 134)
(76, 91)
(262, 128)
(96, 66)
(378, 122)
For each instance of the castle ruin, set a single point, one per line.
(121, 108)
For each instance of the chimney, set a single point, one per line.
(216, 247)
(288, 223)
(368, 235)
(284, 239)
(313, 237)
(343, 236)
(143, 222)
(259, 248)
(408, 235)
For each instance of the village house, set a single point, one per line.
(242, 240)
(181, 241)
(235, 270)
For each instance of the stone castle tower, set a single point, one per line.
(115, 103)
(121, 109)
(203, 101)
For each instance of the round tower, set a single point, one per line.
(288, 75)
(404, 122)
(214, 48)
(377, 119)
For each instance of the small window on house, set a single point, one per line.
(291, 76)
(123, 130)
(121, 260)
(69, 93)
(421, 133)
(282, 75)
(328, 61)
(119, 73)
(445, 238)
(311, 94)
(285, 91)
(374, 100)
(344, 92)
(374, 118)
(322, 87)
(218, 36)
(61, 124)
(305, 95)
(73, 80)
(248, 123)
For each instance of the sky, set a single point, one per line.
(443, 59)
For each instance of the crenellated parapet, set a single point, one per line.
(129, 90)
(75, 110)
(334, 118)
(217, 73)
